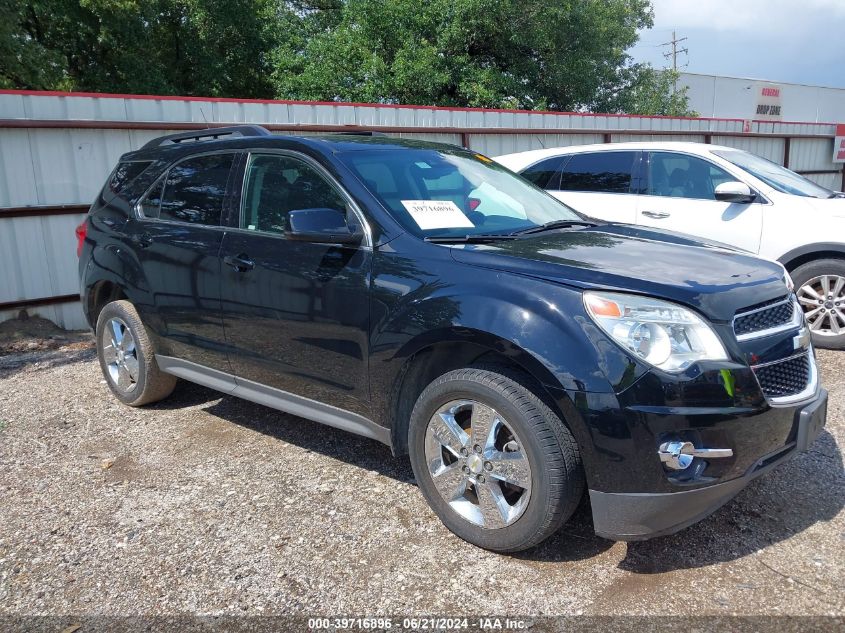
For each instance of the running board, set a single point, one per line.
(274, 398)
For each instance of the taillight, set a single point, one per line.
(81, 232)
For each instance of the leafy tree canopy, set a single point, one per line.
(209, 47)
(532, 54)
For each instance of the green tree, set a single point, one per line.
(208, 47)
(533, 54)
(646, 90)
(24, 61)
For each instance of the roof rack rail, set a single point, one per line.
(212, 133)
(362, 133)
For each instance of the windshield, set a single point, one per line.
(777, 177)
(443, 192)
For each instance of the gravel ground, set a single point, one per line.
(213, 505)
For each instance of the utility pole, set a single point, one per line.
(674, 54)
(675, 50)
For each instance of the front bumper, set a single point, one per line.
(633, 516)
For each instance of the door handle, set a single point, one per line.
(659, 215)
(240, 263)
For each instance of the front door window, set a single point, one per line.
(276, 185)
(673, 175)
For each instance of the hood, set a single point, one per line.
(714, 279)
(829, 206)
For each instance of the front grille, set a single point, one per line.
(765, 318)
(784, 378)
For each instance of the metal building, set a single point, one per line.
(56, 150)
(742, 98)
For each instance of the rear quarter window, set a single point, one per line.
(125, 173)
(546, 173)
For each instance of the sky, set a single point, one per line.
(793, 41)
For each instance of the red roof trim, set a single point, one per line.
(107, 95)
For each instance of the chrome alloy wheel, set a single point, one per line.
(478, 463)
(823, 300)
(120, 355)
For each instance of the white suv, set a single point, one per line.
(718, 193)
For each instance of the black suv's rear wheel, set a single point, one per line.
(127, 357)
(820, 286)
(495, 463)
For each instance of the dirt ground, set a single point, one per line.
(208, 504)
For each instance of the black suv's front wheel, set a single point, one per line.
(127, 357)
(495, 463)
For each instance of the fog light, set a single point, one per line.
(679, 455)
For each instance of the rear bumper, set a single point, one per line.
(634, 516)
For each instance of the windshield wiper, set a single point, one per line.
(836, 194)
(554, 224)
(481, 238)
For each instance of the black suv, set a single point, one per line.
(423, 296)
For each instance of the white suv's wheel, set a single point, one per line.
(820, 286)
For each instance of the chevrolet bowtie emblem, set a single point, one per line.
(802, 339)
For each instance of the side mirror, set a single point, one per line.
(735, 192)
(321, 225)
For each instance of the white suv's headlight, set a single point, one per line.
(661, 333)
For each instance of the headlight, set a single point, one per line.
(661, 333)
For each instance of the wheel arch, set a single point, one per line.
(98, 295)
(447, 349)
(811, 252)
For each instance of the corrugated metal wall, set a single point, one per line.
(57, 149)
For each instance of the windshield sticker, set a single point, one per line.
(437, 214)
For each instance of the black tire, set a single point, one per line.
(809, 274)
(557, 478)
(150, 383)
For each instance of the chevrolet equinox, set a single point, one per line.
(421, 295)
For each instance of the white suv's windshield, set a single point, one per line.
(440, 192)
(777, 177)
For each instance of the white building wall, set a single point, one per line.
(733, 97)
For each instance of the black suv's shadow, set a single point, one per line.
(774, 507)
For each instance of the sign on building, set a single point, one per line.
(769, 105)
(839, 144)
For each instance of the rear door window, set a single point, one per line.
(151, 204)
(194, 190)
(605, 172)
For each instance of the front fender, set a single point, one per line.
(540, 325)
(824, 249)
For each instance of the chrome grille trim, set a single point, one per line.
(795, 322)
(809, 389)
